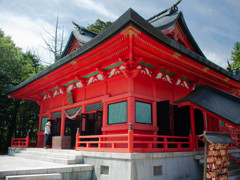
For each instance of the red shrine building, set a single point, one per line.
(138, 86)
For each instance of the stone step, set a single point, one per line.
(65, 151)
(201, 161)
(236, 177)
(234, 172)
(39, 150)
(54, 176)
(235, 154)
(51, 154)
(233, 167)
(48, 159)
(76, 171)
(199, 156)
(196, 178)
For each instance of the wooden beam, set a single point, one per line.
(192, 120)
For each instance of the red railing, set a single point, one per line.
(20, 142)
(131, 142)
(235, 159)
(23, 142)
(234, 134)
(198, 145)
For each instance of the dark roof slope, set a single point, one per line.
(217, 137)
(220, 103)
(81, 34)
(169, 17)
(129, 17)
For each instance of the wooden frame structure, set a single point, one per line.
(130, 62)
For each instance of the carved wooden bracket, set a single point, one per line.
(102, 72)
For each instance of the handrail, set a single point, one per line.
(235, 159)
(234, 134)
(166, 144)
(20, 142)
(131, 142)
(198, 139)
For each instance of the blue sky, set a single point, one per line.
(215, 25)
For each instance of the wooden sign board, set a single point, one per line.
(69, 97)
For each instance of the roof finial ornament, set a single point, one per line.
(77, 26)
(174, 7)
(233, 70)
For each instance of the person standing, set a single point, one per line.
(47, 133)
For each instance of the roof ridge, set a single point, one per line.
(168, 11)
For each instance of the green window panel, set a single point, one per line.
(57, 114)
(73, 111)
(117, 113)
(43, 122)
(94, 107)
(143, 112)
(222, 123)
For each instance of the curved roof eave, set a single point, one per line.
(189, 36)
(212, 99)
(166, 19)
(129, 17)
(68, 45)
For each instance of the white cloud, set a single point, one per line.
(216, 31)
(25, 32)
(217, 58)
(95, 6)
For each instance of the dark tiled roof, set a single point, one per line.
(220, 103)
(216, 137)
(130, 17)
(81, 34)
(169, 17)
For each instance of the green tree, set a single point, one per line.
(99, 26)
(15, 67)
(235, 58)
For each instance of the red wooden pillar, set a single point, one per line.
(27, 141)
(193, 126)
(154, 113)
(130, 139)
(62, 124)
(131, 110)
(105, 111)
(39, 130)
(83, 119)
(77, 143)
(131, 102)
(205, 121)
(40, 123)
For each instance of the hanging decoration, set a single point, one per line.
(74, 115)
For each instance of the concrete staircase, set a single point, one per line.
(69, 165)
(50, 155)
(53, 176)
(233, 168)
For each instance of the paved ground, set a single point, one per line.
(15, 166)
(9, 163)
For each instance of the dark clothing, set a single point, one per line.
(46, 137)
(47, 134)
